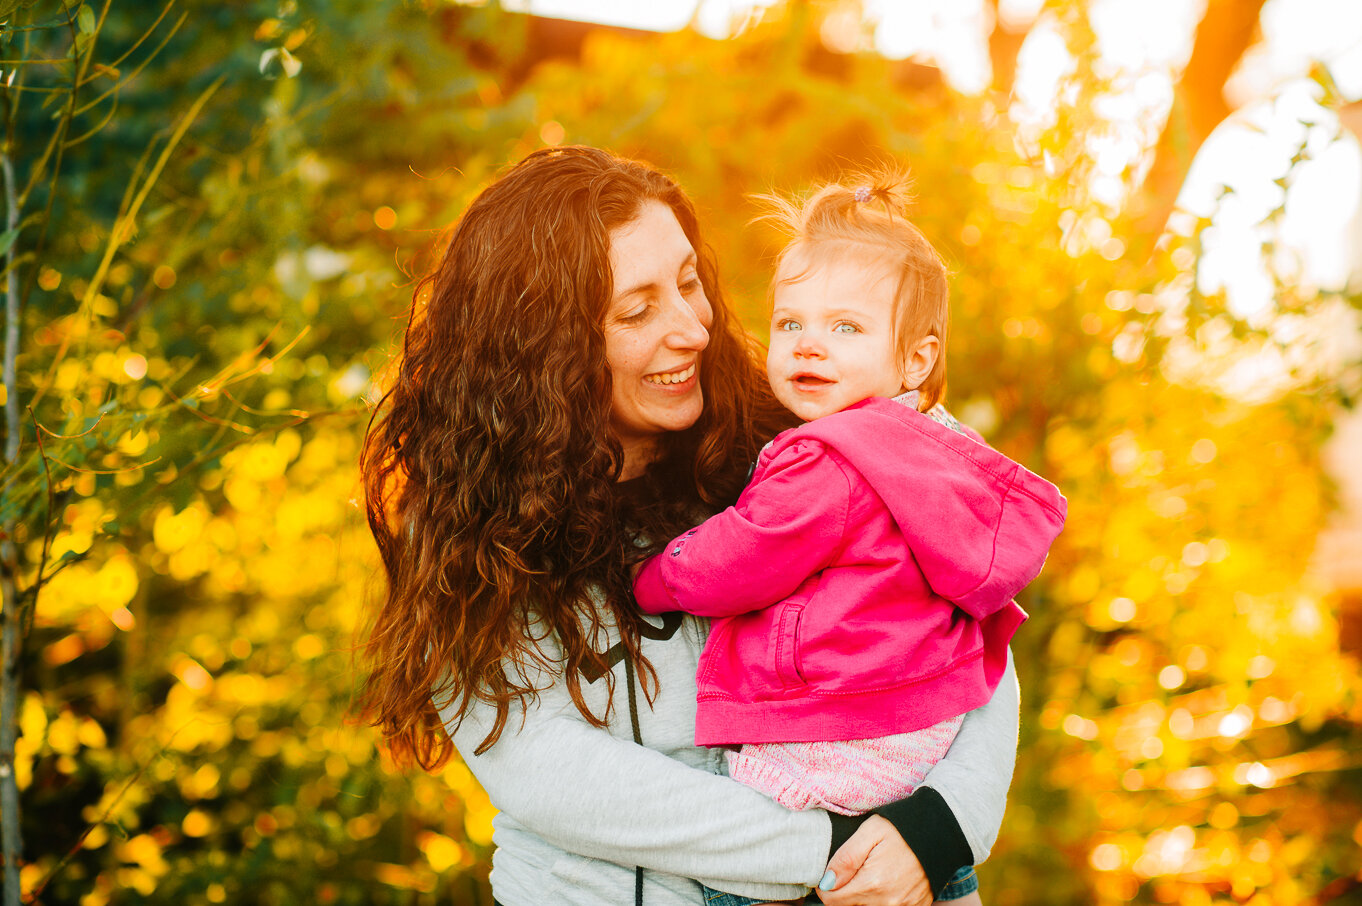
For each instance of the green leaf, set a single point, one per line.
(7, 239)
(7, 7)
(85, 19)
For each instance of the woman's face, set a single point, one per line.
(656, 326)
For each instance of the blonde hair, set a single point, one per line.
(867, 213)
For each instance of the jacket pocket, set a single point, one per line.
(786, 647)
(709, 654)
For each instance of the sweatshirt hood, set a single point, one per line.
(978, 524)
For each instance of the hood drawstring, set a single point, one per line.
(638, 738)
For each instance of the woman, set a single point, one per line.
(572, 383)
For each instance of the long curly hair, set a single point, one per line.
(490, 471)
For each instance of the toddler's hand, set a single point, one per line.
(875, 867)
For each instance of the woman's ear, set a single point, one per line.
(920, 361)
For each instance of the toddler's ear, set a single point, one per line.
(920, 361)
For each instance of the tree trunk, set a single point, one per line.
(1199, 104)
(13, 844)
(1004, 44)
(1350, 117)
(11, 636)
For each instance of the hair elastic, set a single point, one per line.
(863, 194)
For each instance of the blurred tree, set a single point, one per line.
(1189, 721)
(1005, 41)
(1227, 29)
(188, 275)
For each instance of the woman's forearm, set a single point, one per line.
(581, 789)
(976, 773)
(953, 819)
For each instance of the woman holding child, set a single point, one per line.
(572, 392)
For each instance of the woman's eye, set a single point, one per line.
(690, 286)
(635, 316)
(847, 327)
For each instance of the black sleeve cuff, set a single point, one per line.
(926, 824)
(843, 826)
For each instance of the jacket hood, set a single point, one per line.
(978, 524)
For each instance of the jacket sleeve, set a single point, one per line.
(587, 791)
(787, 525)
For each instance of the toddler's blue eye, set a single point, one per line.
(788, 325)
(847, 327)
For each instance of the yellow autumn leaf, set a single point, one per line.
(33, 719)
(63, 735)
(441, 852)
(90, 734)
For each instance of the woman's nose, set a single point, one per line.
(687, 330)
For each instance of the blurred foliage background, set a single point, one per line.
(216, 212)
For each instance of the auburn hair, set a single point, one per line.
(865, 214)
(491, 473)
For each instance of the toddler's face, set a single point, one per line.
(832, 335)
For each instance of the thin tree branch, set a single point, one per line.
(44, 26)
(141, 66)
(96, 129)
(43, 557)
(126, 220)
(146, 34)
(80, 841)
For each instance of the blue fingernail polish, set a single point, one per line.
(829, 880)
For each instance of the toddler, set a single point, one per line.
(861, 588)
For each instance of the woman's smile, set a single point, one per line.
(680, 379)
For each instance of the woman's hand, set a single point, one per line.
(876, 868)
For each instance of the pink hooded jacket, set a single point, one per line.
(862, 585)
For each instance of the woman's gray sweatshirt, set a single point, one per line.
(581, 806)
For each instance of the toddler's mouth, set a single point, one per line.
(810, 380)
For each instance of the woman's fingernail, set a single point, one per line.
(829, 880)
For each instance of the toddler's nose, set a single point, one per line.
(807, 348)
